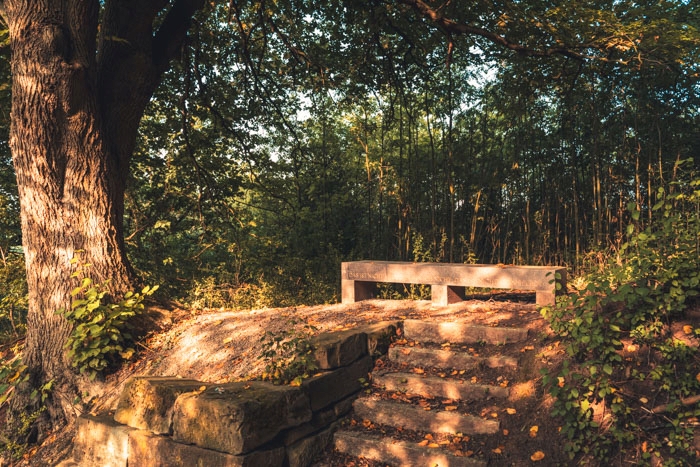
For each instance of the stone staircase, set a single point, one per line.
(457, 387)
(440, 395)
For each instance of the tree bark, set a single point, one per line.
(77, 100)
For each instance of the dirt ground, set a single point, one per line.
(220, 346)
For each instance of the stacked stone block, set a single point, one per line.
(167, 421)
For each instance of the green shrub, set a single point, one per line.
(212, 292)
(288, 354)
(100, 336)
(13, 296)
(13, 373)
(207, 293)
(248, 296)
(617, 331)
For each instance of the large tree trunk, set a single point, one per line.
(76, 104)
(70, 195)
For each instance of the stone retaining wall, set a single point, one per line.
(167, 421)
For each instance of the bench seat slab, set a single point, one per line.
(448, 280)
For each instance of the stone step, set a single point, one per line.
(461, 333)
(406, 416)
(431, 386)
(447, 359)
(399, 453)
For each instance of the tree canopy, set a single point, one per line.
(409, 131)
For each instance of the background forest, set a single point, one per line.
(285, 142)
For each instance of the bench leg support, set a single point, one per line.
(545, 298)
(355, 291)
(443, 295)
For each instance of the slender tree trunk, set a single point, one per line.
(434, 241)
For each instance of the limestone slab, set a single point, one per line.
(330, 387)
(406, 416)
(303, 452)
(443, 295)
(355, 291)
(379, 336)
(430, 386)
(149, 450)
(461, 333)
(146, 402)
(238, 417)
(336, 349)
(101, 441)
(449, 279)
(321, 419)
(394, 452)
(439, 358)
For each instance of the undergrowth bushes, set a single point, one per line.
(101, 331)
(288, 355)
(630, 386)
(13, 296)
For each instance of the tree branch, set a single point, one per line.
(172, 32)
(450, 27)
(131, 61)
(686, 402)
(81, 21)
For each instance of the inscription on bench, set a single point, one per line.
(366, 276)
(448, 280)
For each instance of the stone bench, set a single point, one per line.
(448, 280)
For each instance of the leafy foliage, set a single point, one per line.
(13, 297)
(621, 339)
(17, 449)
(293, 135)
(275, 150)
(13, 373)
(100, 336)
(13, 288)
(288, 355)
